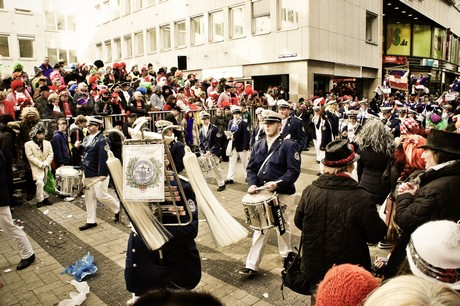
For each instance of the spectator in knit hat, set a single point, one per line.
(412, 290)
(434, 197)
(434, 252)
(345, 285)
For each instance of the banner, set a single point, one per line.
(398, 78)
(143, 172)
(438, 43)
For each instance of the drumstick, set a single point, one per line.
(262, 187)
(90, 184)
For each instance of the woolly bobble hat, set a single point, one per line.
(434, 252)
(16, 83)
(345, 285)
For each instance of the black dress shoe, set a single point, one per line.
(229, 182)
(45, 202)
(221, 188)
(24, 263)
(116, 219)
(87, 226)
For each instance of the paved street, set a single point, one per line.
(53, 232)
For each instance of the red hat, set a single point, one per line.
(16, 83)
(345, 285)
(122, 65)
(93, 79)
(116, 65)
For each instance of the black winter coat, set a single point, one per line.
(337, 217)
(371, 167)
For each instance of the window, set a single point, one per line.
(105, 10)
(4, 46)
(137, 5)
(152, 40)
(197, 30)
(115, 8)
(288, 13)
(216, 24)
(126, 9)
(128, 46)
(139, 41)
(99, 51)
(261, 16)
(371, 27)
(97, 10)
(52, 56)
(73, 56)
(60, 22)
(108, 51)
(71, 23)
(63, 55)
(2, 5)
(237, 22)
(26, 47)
(150, 2)
(180, 34)
(165, 37)
(117, 48)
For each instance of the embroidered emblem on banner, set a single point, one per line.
(142, 174)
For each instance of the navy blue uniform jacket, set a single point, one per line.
(95, 156)
(240, 136)
(210, 142)
(294, 128)
(283, 164)
(60, 149)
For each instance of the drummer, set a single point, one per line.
(274, 165)
(210, 146)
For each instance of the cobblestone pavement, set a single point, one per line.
(53, 232)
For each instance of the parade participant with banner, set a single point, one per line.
(96, 178)
(274, 166)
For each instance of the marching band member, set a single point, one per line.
(291, 127)
(210, 146)
(352, 128)
(240, 143)
(275, 166)
(391, 123)
(176, 147)
(95, 150)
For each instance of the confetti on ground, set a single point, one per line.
(7, 270)
(50, 232)
(46, 212)
(69, 216)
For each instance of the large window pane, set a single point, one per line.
(108, 51)
(52, 56)
(115, 8)
(398, 38)
(60, 22)
(180, 34)
(126, 7)
(289, 15)
(237, 21)
(98, 49)
(73, 57)
(216, 22)
(422, 40)
(137, 5)
(50, 22)
(165, 36)
(128, 46)
(26, 47)
(152, 40)
(71, 23)
(371, 27)
(117, 48)
(4, 46)
(260, 16)
(139, 39)
(197, 30)
(63, 55)
(438, 43)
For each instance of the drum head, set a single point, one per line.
(259, 197)
(67, 171)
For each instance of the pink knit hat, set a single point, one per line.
(345, 285)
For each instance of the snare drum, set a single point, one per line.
(68, 181)
(258, 209)
(208, 162)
